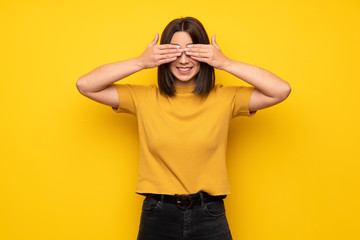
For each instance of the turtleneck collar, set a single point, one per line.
(184, 89)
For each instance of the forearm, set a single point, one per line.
(101, 77)
(263, 80)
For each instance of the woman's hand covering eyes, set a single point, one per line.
(155, 55)
(210, 54)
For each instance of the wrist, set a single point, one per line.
(226, 64)
(139, 63)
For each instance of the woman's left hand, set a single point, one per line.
(210, 54)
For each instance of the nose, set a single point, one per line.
(183, 59)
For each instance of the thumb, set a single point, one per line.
(153, 42)
(213, 41)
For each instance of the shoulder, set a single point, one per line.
(231, 90)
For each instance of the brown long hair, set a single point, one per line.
(205, 79)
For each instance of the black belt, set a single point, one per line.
(185, 201)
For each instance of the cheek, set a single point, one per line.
(196, 65)
(197, 68)
(172, 67)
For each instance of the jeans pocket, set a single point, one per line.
(215, 208)
(150, 205)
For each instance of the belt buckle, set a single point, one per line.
(181, 199)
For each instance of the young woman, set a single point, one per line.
(183, 126)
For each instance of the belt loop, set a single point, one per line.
(202, 198)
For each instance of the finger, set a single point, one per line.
(199, 54)
(213, 41)
(191, 45)
(167, 60)
(168, 46)
(171, 50)
(197, 50)
(165, 56)
(154, 41)
(201, 59)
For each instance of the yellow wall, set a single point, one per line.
(68, 165)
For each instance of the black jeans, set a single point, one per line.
(166, 221)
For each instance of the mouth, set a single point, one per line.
(184, 70)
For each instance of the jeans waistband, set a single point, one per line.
(185, 201)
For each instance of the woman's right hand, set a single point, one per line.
(155, 55)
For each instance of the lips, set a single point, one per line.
(184, 70)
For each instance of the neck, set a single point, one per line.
(184, 89)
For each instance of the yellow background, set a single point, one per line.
(68, 166)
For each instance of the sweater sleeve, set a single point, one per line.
(241, 100)
(127, 98)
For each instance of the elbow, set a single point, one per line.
(81, 85)
(285, 91)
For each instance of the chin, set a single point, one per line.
(184, 79)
